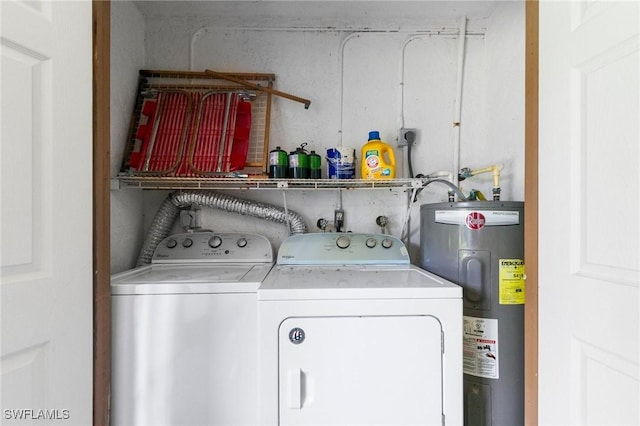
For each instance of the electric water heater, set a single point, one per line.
(480, 246)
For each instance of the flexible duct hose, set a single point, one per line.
(159, 230)
(176, 201)
(454, 188)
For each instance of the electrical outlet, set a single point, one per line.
(407, 136)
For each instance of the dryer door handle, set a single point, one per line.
(295, 387)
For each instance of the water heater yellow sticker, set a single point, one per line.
(511, 281)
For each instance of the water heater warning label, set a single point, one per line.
(480, 347)
(511, 282)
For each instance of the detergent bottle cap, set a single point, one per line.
(373, 135)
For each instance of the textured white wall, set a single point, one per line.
(127, 58)
(308, 63)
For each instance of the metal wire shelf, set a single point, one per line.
(178, 183)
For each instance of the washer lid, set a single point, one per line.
(191, 278)
(355, 282)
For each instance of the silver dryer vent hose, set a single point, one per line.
(170, 208)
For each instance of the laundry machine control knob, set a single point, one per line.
(215, 241)
(343, 242)
(371, 242)
(171, 243)
(242, 242)
(387, 243)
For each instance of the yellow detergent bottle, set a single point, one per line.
(378, 161)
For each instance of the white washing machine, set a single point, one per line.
(184, 345)
(352, 334)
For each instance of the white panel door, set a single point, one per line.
(588, 214)
(383, 370)
(46, 213)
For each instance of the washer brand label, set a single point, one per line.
(477, 219)
(474, 220)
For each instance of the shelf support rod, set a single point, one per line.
(222, 76)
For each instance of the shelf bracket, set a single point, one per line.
(115, 185)
(416, 183)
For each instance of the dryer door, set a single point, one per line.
(372, 370)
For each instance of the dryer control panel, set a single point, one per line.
(213, 247)
(342, 249)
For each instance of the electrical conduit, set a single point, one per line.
(458, 101)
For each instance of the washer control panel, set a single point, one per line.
(213, 247)
(342, 248)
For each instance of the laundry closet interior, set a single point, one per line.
(364, 66)
(440, 83)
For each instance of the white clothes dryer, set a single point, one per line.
(184, 346)
(351, 333)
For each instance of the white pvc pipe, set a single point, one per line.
(342, 47)
(402, 68)
(441, 174)
(405, 149)
(414, 34)
(458, 99)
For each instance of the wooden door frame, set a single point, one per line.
(101, 211)
(531, 213)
